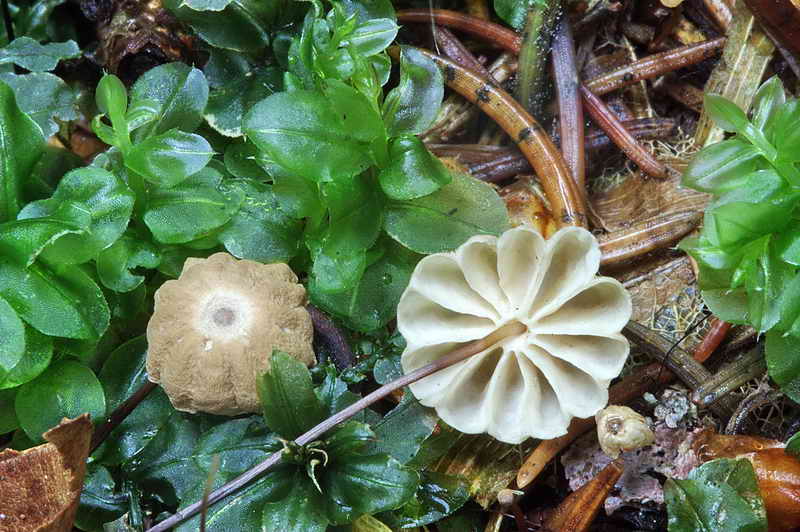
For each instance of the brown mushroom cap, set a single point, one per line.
(213, 331)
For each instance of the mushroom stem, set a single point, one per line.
(457, 355)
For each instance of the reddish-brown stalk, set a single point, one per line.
(715, 335)
(454, 49)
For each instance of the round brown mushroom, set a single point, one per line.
(213, 331)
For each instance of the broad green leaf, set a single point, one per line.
(260, 230)
(100, 501)
(243, 160)
(237, 27)
(8, 417)
(722, 166)
(369, 9)
(728, 305)
(403, 429)
(141, 113)
(12, 339)
(191, 210)
(109, 203)
(169, 158)
(239, 443)
(112, 99)
(725, 113)
(64, 302)
(412, 106)
(115, 263)
(179, 91)
(413, 171)
(31, 55)
(22, 241)
(781, 129)
(300, 511)
(287, 397)
(48, 171)
(206, 5)
(44, 97)
(447, 218)
(122, 375)
(718, 495)
(348, 440)
(372, 303)
(227, 104)
(304, 134)
(787, 243)
(367, 523)
(365, 485)
(21, 143)
(437, 497)
(38, 353)
(66, 389)
(782, 353)
(297, 196)
(769, 97)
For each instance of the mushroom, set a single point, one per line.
(530, 384)
(620, 428)
(213, 331)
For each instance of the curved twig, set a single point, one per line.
(566, 202)
(646, 236)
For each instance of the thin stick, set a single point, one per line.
(453, 48)
(566, 201)
(570, 110)
(454, 357)
(655, 65)
(606, 119)
(120, 413)
(212, 472)
(484, 30)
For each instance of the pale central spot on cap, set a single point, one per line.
(225, 315)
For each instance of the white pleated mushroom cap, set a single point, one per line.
(533, 384)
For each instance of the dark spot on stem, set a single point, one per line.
(449, 73)
(524, 134)
(483, 94)
(628, 77)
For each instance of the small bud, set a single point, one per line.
(621, 429)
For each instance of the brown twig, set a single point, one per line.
(119, 414)
(566, 202)
(717, 331)
(606, 119)
(454, 49)
(720, 12)
(729, 378)
(647, 236)
(484, 30)
(570, 110)
(454, 357)
(640, 128)
(654, 65)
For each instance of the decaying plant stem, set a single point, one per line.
(570, 110)
(654, 65)
(119, 414)
(482, 29)
(454, 357)
(453, 48)
(715, 335)
(539, 21)
(730, 377)
(649, 235)
(578, 510)
(566, 201)
(606, 119)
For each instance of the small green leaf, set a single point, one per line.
(194, 209)
(287, 396)
(38, 353)
(412, 106)
(100, 501)
(227, 104)
(22, 241)
(66, 389)
(44, 97)
(437, 497)
(31, 55)
(793, 445)
(206, 5)
(239, 26)
(373, 36)
(169, 158)
(447, 218)
(114, 264)
(782, 353)
(769, 97)
(349, 439)
(722, 166)
(403, 429)
(12, 339)
(413, 171)
(260, 230)
(8, 417)
(112, 99)
(21, 144)
(305, 135)
(719, 495)
(366, 485)
(513, 11)
(180, 93)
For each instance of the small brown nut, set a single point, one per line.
(213, 331)
(620, 428)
